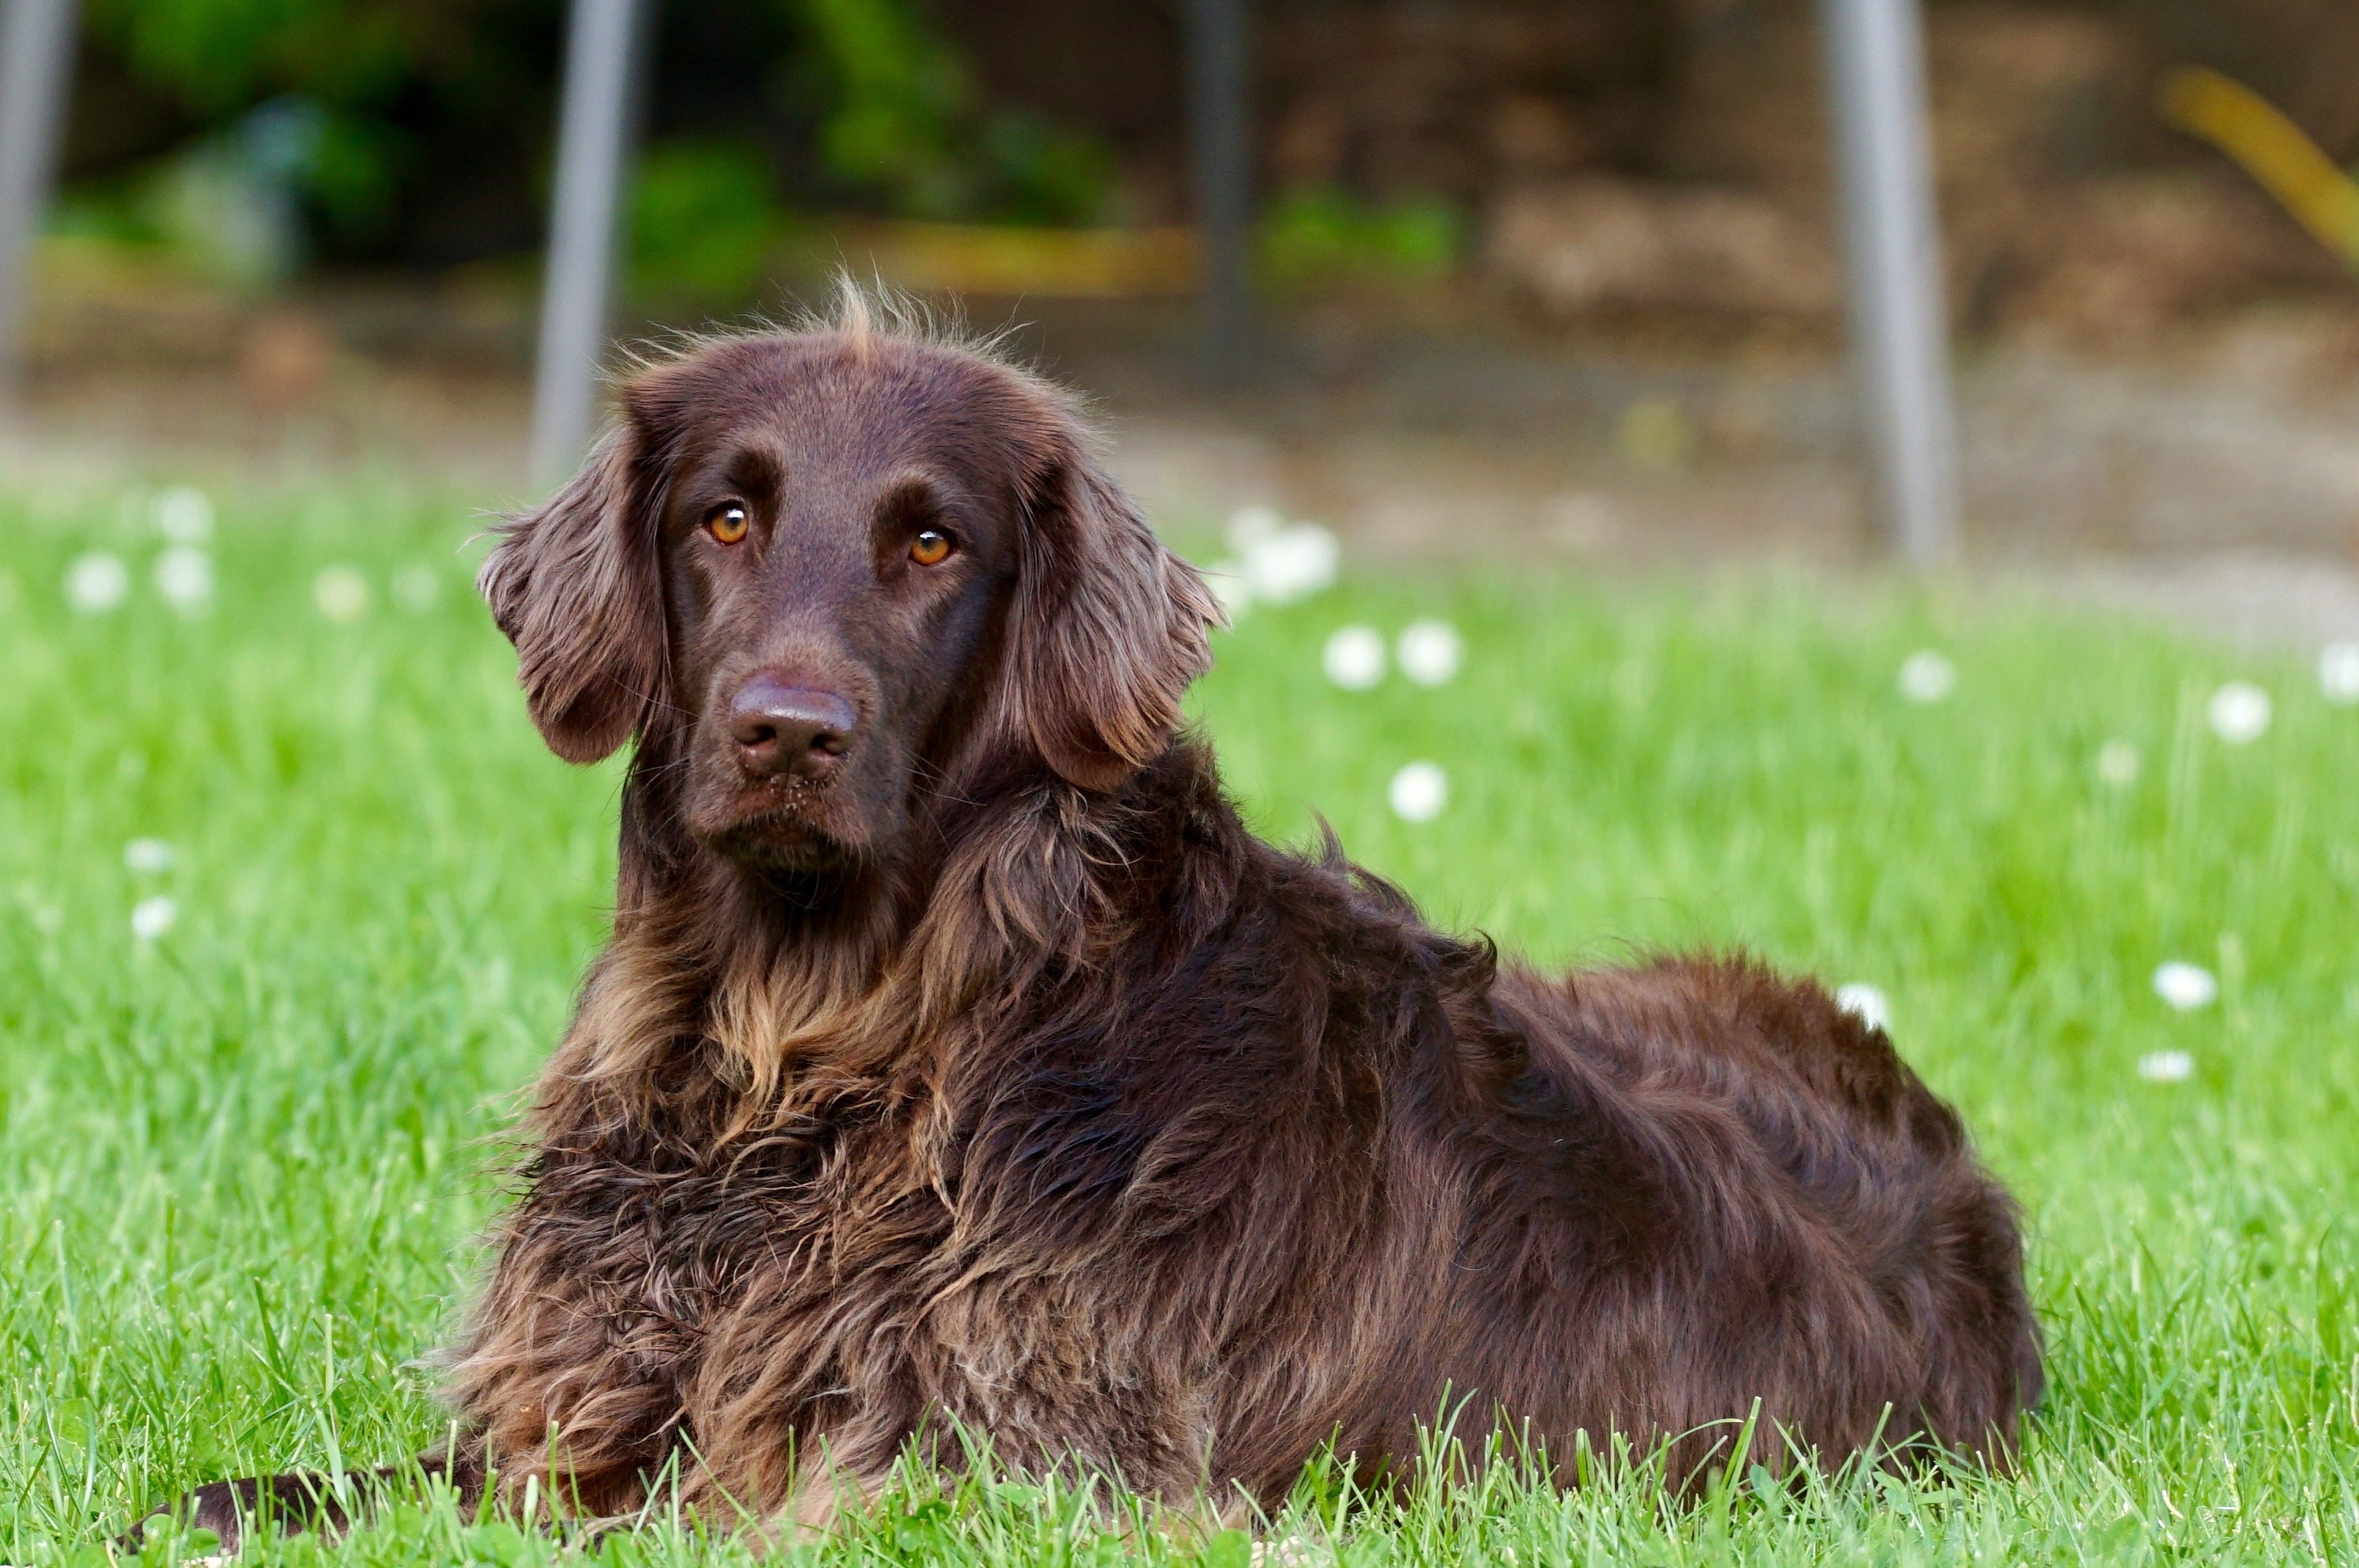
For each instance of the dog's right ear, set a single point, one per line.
(575, 586)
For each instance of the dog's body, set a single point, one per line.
(961, 1060)
(1239, 1158)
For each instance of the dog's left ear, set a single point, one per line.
(1107, 629)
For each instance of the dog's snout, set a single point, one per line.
(781, 729)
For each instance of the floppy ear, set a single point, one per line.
(574, 586)
(1107, 630)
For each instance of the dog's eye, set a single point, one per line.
(727, 522)
(931, 548)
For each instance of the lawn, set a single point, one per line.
(241, 1154)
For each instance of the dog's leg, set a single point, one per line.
(300, 1502)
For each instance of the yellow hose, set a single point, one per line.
(2272, 149)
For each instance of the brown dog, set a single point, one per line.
(961, 1058)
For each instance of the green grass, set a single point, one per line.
(239, 1165)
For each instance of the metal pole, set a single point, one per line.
(1892, 258)
(36, 54)
(1219, 152)
(594, 129)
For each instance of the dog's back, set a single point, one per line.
(1748, 1194)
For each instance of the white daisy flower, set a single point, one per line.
(341, 594)
(1419, 791)
(2186, 986)
(1927, 676)
(2338, 673)
(1293, 1551)
(1430, 650)
(1249, 525)
(1355, 657)
(184, 575)
(1866, 1003)
(151, 917)
(1294, 562)
(1229, 585)
(2239, 712)
(148, 855)
(97, 582)
(2117, 763)
(2165, 1067)
(184, 514)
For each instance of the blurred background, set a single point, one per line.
(1546, 281)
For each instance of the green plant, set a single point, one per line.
(1323, 233)
(703, 223)
(898, 95)
(347, 58)
(906, 122)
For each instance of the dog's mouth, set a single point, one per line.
(774, 827)
(780, 843)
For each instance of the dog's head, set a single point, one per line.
(829, 571)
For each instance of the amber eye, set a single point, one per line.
(726, 522)
(931, 548)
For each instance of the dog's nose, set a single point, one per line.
(781, 729)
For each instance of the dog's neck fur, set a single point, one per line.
(732, 995)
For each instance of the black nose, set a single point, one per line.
(781, 729)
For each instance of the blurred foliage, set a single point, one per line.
(1045, 173)
(831, 104)
(899, 127)
(905, 122)
(230, 205)
(221, 54)
(348, 61)
(1323, 234)
(704, 222)
(898, 94)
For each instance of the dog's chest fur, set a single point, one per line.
(1054, 1252)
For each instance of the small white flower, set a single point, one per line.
(184, 575)
(416, 588)
(1927, 676)
(341, 594)
(1292, 563)
(1865, 1003)
(1419, 791)
(1355, 657)
(1228, 583)
(2186, 986)
(184, 514)
(2239, 713)
(2117, 763)
(1292, 1552)
(2165, 1067)
(2338, 673)
(1430, 652)
(97, 582)
(148, 855)
(1249, 525)
(151, 917)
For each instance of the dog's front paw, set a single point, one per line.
(289, 1504)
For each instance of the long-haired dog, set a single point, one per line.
(961, 1060)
